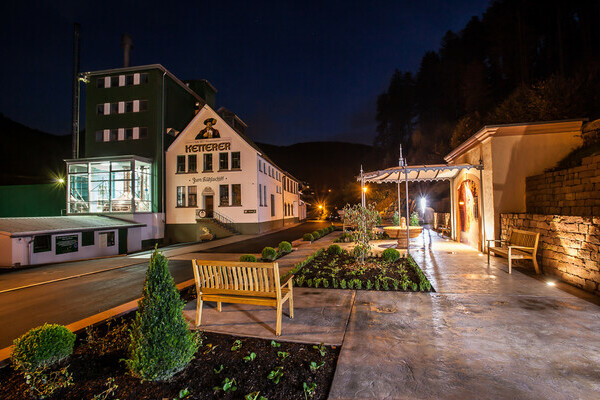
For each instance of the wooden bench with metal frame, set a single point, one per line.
(242, 283)
(444, 230)
(521, 245)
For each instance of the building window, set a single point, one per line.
(235, 160)
(223, 161)
(129, 134)
(87, 238)
(129, 80)
(106, 239)
(143, 105)
(265, 195)
(236, 195)
(143, 78)
(192, 198)
(208, 163)
(41, 244)
(223, 195)
(100, 83)
(260, 194)
(100, 109)
(192, 164)
(114, 135)
(260, 165)
(128, 106)
(180, 164)
(180, 196)
(272, 205)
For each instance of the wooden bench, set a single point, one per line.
(242, 283)
(444, 230)
(521, 245)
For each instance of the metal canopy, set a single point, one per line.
(417, 173)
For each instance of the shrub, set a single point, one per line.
(323, 231)
(390, 255)
(414, 219)
(42, 346)
(161, 343)
(307, 237)
(247, 258)
(316, 234)
(334, 249)
(269, 254)
(285, 247)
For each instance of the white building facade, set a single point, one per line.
(217, 178)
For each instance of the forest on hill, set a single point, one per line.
(522, 61)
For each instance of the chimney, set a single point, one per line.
(127, 45)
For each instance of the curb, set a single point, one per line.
(80, 325)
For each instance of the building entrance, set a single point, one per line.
(209, 206)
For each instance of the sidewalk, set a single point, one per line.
(484, 334)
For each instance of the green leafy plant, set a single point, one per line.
(321, 349)
(390, 255)
(351, 284)
(42, 346)
(275, 375)
(254, 396)
(309, 390)
(369, 285)
(386, 285)
(307, 237)
(377, 283)
(396, 219)
(218, 370)
(365, 219)
(161, 342)
(275, 344)
(269, 254)
(183, 393)
(42, 382)
(325, 283)
(210, 348)
(414, 219)
(309, 282)
(299, 280)
(250, 357)
(110, 390)
(283, 355)
(317, 282)
(335, 283)
(317, 235)
(247, 258)
(314, 366)
(357, 284)
(285, 247)
(343, 284)
(334, 249)
(236, 345)
(228, 385)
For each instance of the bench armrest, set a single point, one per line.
(521, 247)
(286, 280)
(495, 240)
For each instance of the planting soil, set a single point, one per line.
(342, 271)
(97, 366)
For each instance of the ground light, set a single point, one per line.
(551, 283)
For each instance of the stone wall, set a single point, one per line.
(569, 246)
(573, 191)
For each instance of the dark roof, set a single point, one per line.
(28, 226)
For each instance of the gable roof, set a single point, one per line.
(517, 129)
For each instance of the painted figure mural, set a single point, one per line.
(209, 132)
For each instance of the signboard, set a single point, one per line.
(66, 244)
(249, 211)
(199, 148)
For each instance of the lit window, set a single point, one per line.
(180, 164)
(223, 195)
(236, 195)
(235, 160)
(192, 164)
(192, 199)
(180, 196)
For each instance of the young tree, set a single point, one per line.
(364, 219)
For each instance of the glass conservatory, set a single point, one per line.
(109, 185)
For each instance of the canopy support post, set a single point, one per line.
(483, 242)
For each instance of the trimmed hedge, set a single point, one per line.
(247, 258)
(42, 346)
(390, 255)
(334, 249)
(161, 342)
(285, 247)
(317, 235)
(308, 237)
(269, 254)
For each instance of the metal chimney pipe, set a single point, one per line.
(127, 45)
(75, 110)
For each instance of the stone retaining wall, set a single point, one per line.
(573, 191)
(569, 246)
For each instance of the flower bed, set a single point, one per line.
(326, 269)
(221, 363)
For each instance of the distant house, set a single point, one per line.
(509, 153)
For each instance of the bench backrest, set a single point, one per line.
(229, 277)
(519, 237)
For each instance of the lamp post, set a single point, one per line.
(363, 189)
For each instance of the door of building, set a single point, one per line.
(208, 206)
(123, 241)
(272, 205)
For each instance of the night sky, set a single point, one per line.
(293, 71)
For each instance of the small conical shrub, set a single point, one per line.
(161, 342)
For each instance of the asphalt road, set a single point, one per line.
(68, 301)
(256, 245)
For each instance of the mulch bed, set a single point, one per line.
(99, 353)
(342, 271)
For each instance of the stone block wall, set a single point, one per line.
(573, 191)
(568, 248)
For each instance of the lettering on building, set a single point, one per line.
(199, 148)
(208, 179)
